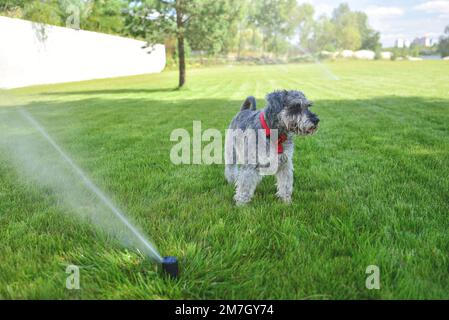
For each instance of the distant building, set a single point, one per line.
(399, 43)
(433, 42)
(423, 41)
(402, 43)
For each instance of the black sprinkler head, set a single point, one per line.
(170, 266)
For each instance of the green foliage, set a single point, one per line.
(443, 46)
(252, 27)
(371, 41)
(399, 53)
(47, 11)
(370, 38)
(211, 30)
(277, 21)
(104, 16)
(414, 50)
(94, 15)
(378, 53)
(203, 23)
(8, 7)
(345, 29)
(324, 36)
(249, 39)
(305, 25)
(244, 36)
(352, 30)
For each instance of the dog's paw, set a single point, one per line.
(241, 201)
(241, 204)
(286, 199)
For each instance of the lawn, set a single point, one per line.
(371, 188)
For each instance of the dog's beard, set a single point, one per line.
(298, 124)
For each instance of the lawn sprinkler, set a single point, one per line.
(170, 266)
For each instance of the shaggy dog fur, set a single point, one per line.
(287, 114)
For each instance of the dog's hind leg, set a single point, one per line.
(247, 181)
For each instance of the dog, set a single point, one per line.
(287, 114)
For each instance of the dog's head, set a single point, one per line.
(289, 111)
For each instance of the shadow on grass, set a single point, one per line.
(386, 114)
(357, 131)
(339, 110)
(112, 92)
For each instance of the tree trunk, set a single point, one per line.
(182, 61)
(181, 48)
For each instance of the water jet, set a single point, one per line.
(109, 217)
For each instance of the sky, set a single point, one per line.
(406, 19)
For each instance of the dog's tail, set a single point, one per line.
(250, 103)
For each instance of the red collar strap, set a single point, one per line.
(282, 138)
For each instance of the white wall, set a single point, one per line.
(27, 57)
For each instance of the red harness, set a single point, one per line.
(282, 138)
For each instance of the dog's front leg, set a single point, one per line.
(247, 181)
(284, 181)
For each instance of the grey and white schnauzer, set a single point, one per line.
(288, 114)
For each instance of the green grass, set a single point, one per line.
(371, 188)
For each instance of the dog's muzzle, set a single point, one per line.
(315, 121)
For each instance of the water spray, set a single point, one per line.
(169, 264)
(326, 70)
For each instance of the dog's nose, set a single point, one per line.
(316, 121)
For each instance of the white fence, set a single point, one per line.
(33, 54)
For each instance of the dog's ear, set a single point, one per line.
(275, 104)
(276, 101)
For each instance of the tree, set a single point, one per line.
(103, 16)
(95, 15)
(324, 35)
(370, 37)
(240, 31)
(203, 23)
(276, 21)
(371, 41)
(352, 30)
(346, 27)
(443, 46)
(305, 25)
(12, 7)
(45, 11)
